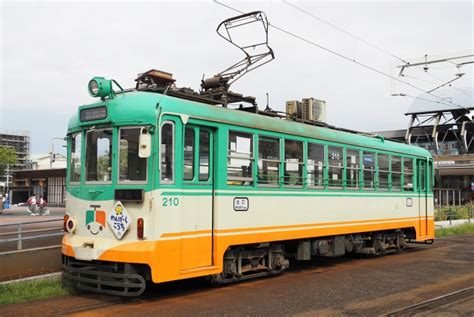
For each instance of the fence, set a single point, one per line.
(447, 197)
(23, 234)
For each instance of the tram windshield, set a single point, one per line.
(98, 155)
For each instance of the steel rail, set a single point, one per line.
(434, 302)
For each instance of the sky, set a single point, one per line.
(50, 50)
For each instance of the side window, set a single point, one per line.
(204, 155)
(239, 158)
(167, 153)
(422, 176)
(396, 173)
(384, 171)
(369, 170)
(335, 160)
(407, 174)
(315, 165)
(293, 170)
(431, 175)
(268, 161)
(352, 171)
(131, 166)
(188, 171)
(75, 166)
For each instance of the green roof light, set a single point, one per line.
(100, 87)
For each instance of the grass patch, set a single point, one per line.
(455, 230)
(28, 290)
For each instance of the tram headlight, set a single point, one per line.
(99, 87)
(71, 224)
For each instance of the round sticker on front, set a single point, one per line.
(119, 220)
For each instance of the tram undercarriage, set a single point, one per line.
(245, 262)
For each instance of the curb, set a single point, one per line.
(49, 276)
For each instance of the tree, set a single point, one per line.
(7, 156)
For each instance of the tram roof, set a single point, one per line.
(141, 108)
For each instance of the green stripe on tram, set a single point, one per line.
(278, 194)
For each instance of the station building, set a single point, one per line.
(43, 177)
(448, 133)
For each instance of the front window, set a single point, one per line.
(132, 167)
(98, 156)
(75, 169)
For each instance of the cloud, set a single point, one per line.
(50, 50)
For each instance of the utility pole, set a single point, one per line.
(8, 180)
(51, 151)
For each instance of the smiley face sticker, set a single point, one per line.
(95, 221)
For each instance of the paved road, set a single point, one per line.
(356, 286)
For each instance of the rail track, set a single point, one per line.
(336, 286)
(434, 303)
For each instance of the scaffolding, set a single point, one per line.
(20, 142)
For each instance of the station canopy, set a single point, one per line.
(453, 99)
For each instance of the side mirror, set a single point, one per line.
(144, 144)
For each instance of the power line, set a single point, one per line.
(345, 32)
(424, 99)
(464, 91)
(366, 42)
(343, 56)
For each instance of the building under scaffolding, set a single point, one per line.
(20, 141)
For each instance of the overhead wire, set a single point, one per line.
(301, 38)
(345, 31)
(441, 81)
(346, 58)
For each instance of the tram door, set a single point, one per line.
(198, 186)
(423, 194)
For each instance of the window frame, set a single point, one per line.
(341, 186)
(71, 166)
(193, 129)
(388, 171)
(325, 165)
(173, 152)
(284, 162)
(374, 170)
(392, 172)
(358, 169)
(119, 181)
(112, 149)
(413, 186)
(210, 157)
(279, 161)
(251, 158)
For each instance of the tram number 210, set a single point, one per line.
(170, 202)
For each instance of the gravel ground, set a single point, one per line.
(355, 286)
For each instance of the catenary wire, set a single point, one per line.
(343, 56)
(366, 42)
(344, 31)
